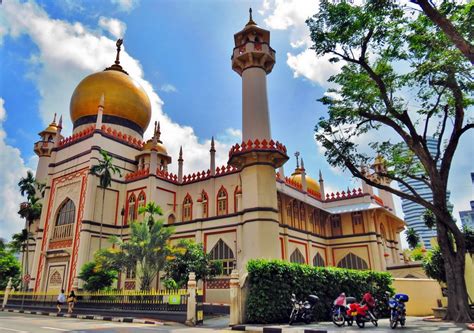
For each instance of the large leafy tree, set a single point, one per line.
(104, 170)
(190, 257)
(145, 251)
(30, 210)
(9, 268)
(96, 277)
(401, 75)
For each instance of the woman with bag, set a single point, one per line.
(71, 300)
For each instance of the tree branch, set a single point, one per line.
(448, 28)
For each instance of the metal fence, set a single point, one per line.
(153, 300)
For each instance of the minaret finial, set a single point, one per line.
(54, 118)
(60, 124)
(320, 176)
(251, 21)
(158, 131)
(302, 163)
(297, 155)
(119, 44)
(213, 148)
(180, 152)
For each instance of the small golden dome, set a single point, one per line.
(124, 98)
(311, 183)
(160, 147)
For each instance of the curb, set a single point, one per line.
(269, 329)
(90, 317)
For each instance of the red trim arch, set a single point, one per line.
(222, 188)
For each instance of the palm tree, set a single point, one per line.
(104, 171)
(145, 252)
(151, 209)
(18, 244)
(412, 238)
(29, 210)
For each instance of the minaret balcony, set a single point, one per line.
(257, 152)
(43, 148)
(61, 232)
(253, 54)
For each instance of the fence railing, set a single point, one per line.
(153, 300)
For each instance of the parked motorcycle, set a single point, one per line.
(339, 310)
(302, 311)
(397, 310)
(361, 313)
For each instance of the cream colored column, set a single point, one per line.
(255, 118)
(191, 308)
(234, 298)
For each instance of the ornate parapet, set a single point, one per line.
(256, 151)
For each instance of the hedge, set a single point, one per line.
(271, 283)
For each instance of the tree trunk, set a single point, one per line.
(27, 252)
(454, 256)
(102, 218)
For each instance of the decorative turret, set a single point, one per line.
(180, 165)
(154, 154)
(212, 166)
(321, 185)
(49, 138)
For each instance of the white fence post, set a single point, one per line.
(7, 292)
(234, 298)
(191, 310)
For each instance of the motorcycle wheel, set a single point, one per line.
(292, 317)
(338, 319)
(360, 323)
(350, 321)
(402, 322)
(308, 320)
(393, 323)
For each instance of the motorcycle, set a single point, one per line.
(397, 310)
(339, 310)
(361, 314)
(302, 311)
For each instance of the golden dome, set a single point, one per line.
(311, 183)
(124, 98)
(160, 148)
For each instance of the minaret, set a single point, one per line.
(180, 165)
(303, 177)
(253, 59)
(212, 166)
(321, 186)
(49, 137)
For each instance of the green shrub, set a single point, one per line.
(271, 283)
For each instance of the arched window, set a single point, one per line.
(222, 252)
(336, 226)
(302, 217)
(131, 209)
(222, 201)
(296, 214)
(187, 208)
(66, 213)
(318, 261)
(297, 257)
(205, 204)
(357, 223)
(171, 219)
(141, 199)
(352, 261)
(64, 220)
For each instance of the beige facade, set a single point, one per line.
(239, 211)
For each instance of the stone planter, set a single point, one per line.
(439, 312)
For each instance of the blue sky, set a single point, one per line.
(180, 52)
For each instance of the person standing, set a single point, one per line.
(71, 300)
(61, 300)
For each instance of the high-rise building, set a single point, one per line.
(467, 216)
(414, 212)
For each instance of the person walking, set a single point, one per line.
(71, 300)
(61, 300)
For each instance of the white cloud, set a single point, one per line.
(115, 27)
(76, 51)
(12, 168)
(125, 5)
(315, 69)
(169, 88)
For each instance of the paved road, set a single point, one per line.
(23, 323)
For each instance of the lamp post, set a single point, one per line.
(122, 213)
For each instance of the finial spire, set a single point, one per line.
(158, 131)
(180, 152)
(54, 118)
(320, 175)
(213, 148)
(60, 124)
(302, 163)
(102, 100)
(116, 66)
(118, 44)
(251, 21)
(297, 155)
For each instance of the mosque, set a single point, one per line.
(243, 210)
